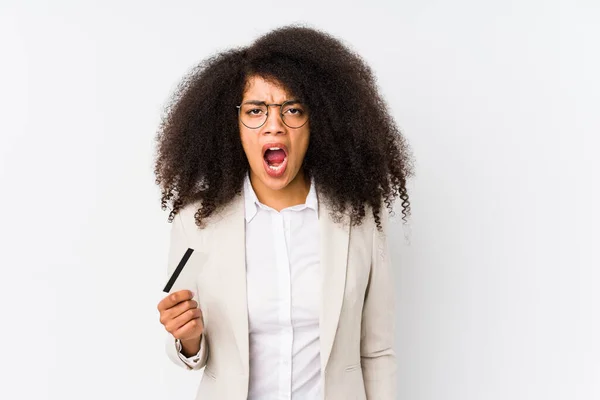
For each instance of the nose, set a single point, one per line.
(274, 124)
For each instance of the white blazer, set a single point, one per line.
(358, 360)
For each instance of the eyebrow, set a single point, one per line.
(258, 102)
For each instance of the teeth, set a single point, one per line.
(274, 148)
(276, 168)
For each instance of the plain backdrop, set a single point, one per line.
(497, 273)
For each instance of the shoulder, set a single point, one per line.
(187, 216)
(369, 223)
(378, 235)
(366, 235)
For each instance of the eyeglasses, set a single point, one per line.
(254, 114)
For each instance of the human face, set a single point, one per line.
(275, 170)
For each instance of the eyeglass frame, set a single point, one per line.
(267, 114)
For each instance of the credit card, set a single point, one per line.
(178, 270)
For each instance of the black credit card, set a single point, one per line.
(178, 270)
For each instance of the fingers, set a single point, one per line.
(173, 299)
(185, 324)
(180, 315)
(191, 329)
(176, 311)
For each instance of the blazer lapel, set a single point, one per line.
(334, 255)
(230, 238)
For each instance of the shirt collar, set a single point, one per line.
(252, 203)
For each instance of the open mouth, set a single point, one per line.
(275, 159)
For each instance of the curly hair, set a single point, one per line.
(357, 156)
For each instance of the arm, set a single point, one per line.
(174, 348)
(378, 358)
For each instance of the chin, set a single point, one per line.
(274, 183)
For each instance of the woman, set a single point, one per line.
(280, 162)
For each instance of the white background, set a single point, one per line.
(499, 288)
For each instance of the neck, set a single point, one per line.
(293, 194)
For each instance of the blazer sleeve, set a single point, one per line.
(378, 358)
(178, 246)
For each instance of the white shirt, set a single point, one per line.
(284, 297)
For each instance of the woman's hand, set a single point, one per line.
(181, 317)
